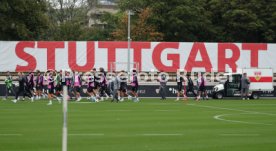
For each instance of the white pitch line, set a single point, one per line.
(149, 134)
(165, 103)
(82, 102)
(91, 134)
(219, 117)
(162, 110)
(259, 105)
(11, 134)
(239, 134)
(118, 110)
(157, 134)
(231, 109)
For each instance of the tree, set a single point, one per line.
(141, 30)
(210, 20)
(177, 20)
(61, 11)
(23, 20)
(174, 20)
(244, 21)
(145, 31)
(136, 6)
(182, 20)
(67, 19)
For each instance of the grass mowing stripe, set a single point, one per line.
(141, 128)
(118, 110)
(161, 134)
(88, 134)
(231, 109)
(238, 135)
(146, 134)
(11, 134)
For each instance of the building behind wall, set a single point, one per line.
(103, 6)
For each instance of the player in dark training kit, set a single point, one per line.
(39, 85)
(90, 80)
(30, 85)
(180, 91)
(21, 87)
(68, 82)
(202, 87)
(123, 85)
(190, 86)
(163, 86)
(103, 85)
(97, 82)
(58, 82)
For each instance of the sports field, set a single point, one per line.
(150, 125)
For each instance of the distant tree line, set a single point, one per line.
(152, 20)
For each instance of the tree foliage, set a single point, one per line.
(211, 20)
(23, 20)
(162, 20)
(140, 31)
(249, 21)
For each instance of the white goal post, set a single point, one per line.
(119, 66)
(65, 121)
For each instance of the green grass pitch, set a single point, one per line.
(150, 125)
